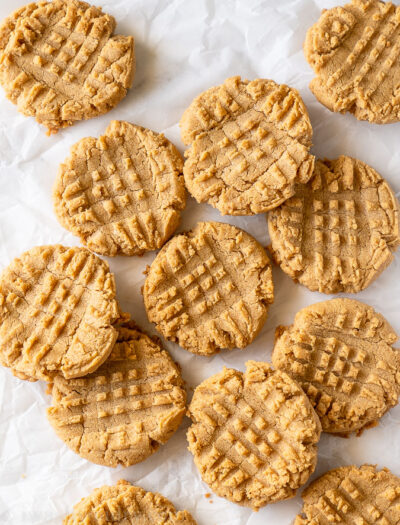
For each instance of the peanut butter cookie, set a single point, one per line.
(354, 52)
(123, 412)
(122, 193)
(209, 288)
(339, 231)
(253, 435)
(249, 144)
(57, 309)
(123, 503)
(352, 495)
(340, 352)
(60, 62)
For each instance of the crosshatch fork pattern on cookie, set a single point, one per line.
(249, 144)
(339, 230)
(340, 353)
(121, 413)
(121, 193)
(349, 495)
(196, 293)
(61, 63)
(57, 306)
(354, 51)
(253, 446)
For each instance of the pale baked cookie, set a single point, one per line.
(60, 62)
(123, 504)
(339, 231)
(340, 352)
(209, 288)
(253, 435)
(57, 309)
(249, 144)
(121, 413)
(354, 52)
(352, 495)
(122, 193)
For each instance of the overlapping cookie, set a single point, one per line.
(339, 231)
(340, 352)
(254, 435)
(354, 51)
(60, 62)
(352, 495)
(249, 144)
(124, 503)
(209, 289)
(121, 413)
(121, 193)
(57, 311)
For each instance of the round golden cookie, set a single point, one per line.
(209, 288)
(340, 352)
(354, 52)
(254, 435)
(121, 413)
(249, 144)
(123, 504)
(60, 62)
(339, 231)
(122, 193)
(352, 495)
(57, 309)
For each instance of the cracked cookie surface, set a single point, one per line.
(351, 495)
(249, 144)
(57, 309)
(121, 193)
(61, 63)
(340, 352)
(339, 231)
(254, 435)
(354, 52)
(121, 413)
(209, 289)
(124, 503)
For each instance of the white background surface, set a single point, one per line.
(182, 47)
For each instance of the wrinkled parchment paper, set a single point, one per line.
(182, 47)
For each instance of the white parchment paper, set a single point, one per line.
(182, 48)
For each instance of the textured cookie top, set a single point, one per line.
(249, 143)
(253, 435)
(209, 288)
(57, 307)
(127, 408)
(60, 63)
(122, 504)
(352, 495)
(338, 232)
(354, 52)
(340, 352)
(121, 193)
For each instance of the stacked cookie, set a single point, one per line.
(117, 395)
